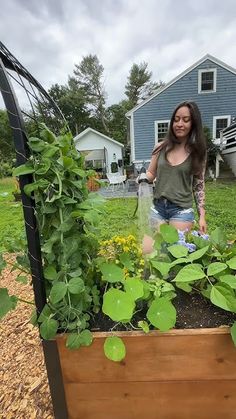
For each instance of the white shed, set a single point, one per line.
(100, 150)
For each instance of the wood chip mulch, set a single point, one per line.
(24, 389)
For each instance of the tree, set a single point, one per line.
(70, 99)
(88, 75)
(139, 85)
(7, 151)
(117, 121)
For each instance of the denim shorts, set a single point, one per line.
(165, 210)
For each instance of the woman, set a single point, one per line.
(178, 164)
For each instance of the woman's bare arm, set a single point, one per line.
(152, 168)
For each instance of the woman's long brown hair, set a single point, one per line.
(196, 142)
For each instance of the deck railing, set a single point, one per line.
(228, 137)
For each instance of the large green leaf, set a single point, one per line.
(189, 273)
(198, 254)
(73, 341)
(118, 305)
(134, 286)
(162, 314)
(58, 292)
(178, 250)
(114, 348)
(76, 286)
(24, 169)
(112, 273)
(7, 302)
(229, 280)
(48, 328)
(162, 267)
(218, 238)
(86, 337)
(215, 268)
(169, 233)
(50, 272)
(232, 263)
(223, 296)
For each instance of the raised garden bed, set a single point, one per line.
(178, 374)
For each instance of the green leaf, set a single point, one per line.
(36, 144)
(48, 328)
(143, 325)
(112, 273)
(73, 341)
(76, 285)
(184, 286)
(114, 349)
(215, 267)
(169, 233)
(178, 251)
(162, 267)
(22, 279)
(158, 241)
(218, 238)
(45, 313)
(198, 253)
(86, 337)
(33, 317)
(162, 314)
(126, 261)
(189, 273)
(134, 287)
(223, 297)
(118, 305)
(179, 261)
(7, 303)
(232, 263)
(43, 167)
(233, 332)
(24, 169)
(229, 280)
(50, 272)
(58, 292)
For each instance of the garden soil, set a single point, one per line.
(24, 390)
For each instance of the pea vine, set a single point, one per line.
(67, 216)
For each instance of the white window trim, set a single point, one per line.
(160, 121)
(202, 70)
(228, 117)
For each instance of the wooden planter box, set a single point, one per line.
(181, 374)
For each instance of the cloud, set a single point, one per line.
(50, 36)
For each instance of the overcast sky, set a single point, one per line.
(49, 36)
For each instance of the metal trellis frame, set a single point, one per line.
(9, 64)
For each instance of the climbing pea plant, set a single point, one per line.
(67, 215)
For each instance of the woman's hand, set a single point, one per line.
(202, 225)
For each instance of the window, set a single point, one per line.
(161, 128)
(207, 81)
(219, 123)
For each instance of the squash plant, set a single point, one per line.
(67, 216)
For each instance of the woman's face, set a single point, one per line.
(182, 123)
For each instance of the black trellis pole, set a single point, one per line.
(33, 240)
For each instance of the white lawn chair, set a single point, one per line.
(115, 180)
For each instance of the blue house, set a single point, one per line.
(209, 82)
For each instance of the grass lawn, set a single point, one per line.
(11, 215)
(220, 208)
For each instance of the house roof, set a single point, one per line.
(161, 89)
(87, 130)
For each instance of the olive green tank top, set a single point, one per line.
(174, 182)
